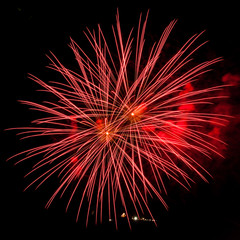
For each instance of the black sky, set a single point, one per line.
(30, 31)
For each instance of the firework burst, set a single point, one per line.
(116, 132)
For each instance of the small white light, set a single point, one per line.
(135, 218)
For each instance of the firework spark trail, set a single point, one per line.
(120, 135)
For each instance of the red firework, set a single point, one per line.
(118, 132)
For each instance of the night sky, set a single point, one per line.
(30, 31)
